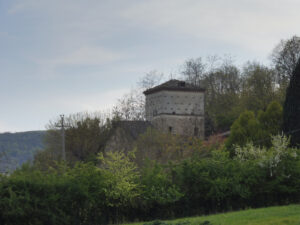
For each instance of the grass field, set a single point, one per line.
(264, 216)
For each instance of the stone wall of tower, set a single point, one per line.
(179, 112)
(183, 125)
(174, 103)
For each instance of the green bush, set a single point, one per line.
(30, 196)
(257, 129)
(86, 194)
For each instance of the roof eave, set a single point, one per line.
(153, 90)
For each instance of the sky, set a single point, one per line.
(68, 56)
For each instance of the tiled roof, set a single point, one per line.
(175, 85)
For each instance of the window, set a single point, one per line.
(170, 129)
(181, 84)
(196, 131)
(173, 113)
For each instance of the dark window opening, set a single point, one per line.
(170, 129)
(181, 84)
(196, 131)
(173, 113)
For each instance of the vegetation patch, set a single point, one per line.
(279, 215)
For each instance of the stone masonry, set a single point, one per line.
(176, 107)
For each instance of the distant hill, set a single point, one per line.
(18, 148)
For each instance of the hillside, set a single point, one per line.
(263, 216)
(18, 148)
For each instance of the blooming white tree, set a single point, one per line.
(268, 158)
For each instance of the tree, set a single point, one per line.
(85, 137)
(150, 79)
(258, 87)
(271, 119)
(132, 105)
(222, 82)
(248, 128)
(122, 176)
(270, 158)
(291, 112)
(194, 71)
(245, 129)
(223, 86)
(157, 186)
(166, 147)
(285, 57)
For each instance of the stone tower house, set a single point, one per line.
(176, 107)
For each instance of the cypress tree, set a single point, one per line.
(291, 109)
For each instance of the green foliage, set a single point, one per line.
(86, 136)
(271, 119)
(246, 128)
(165, 147)
(271, 158)
(118, 191)
(121, 174)
(30, 196)
(249, 128)
(158, 187)
(86, 139)
(291, 115)
(231, 91)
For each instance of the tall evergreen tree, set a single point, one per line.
(291, 113)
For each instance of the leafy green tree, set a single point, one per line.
(122, 176)
(246, 128)
(31, 196)
(86, 136)
(291, 113)
(271, 121)
(249, 128)
(158, 189)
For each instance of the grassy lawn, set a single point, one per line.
(264, 216)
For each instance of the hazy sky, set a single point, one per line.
(67, 56)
